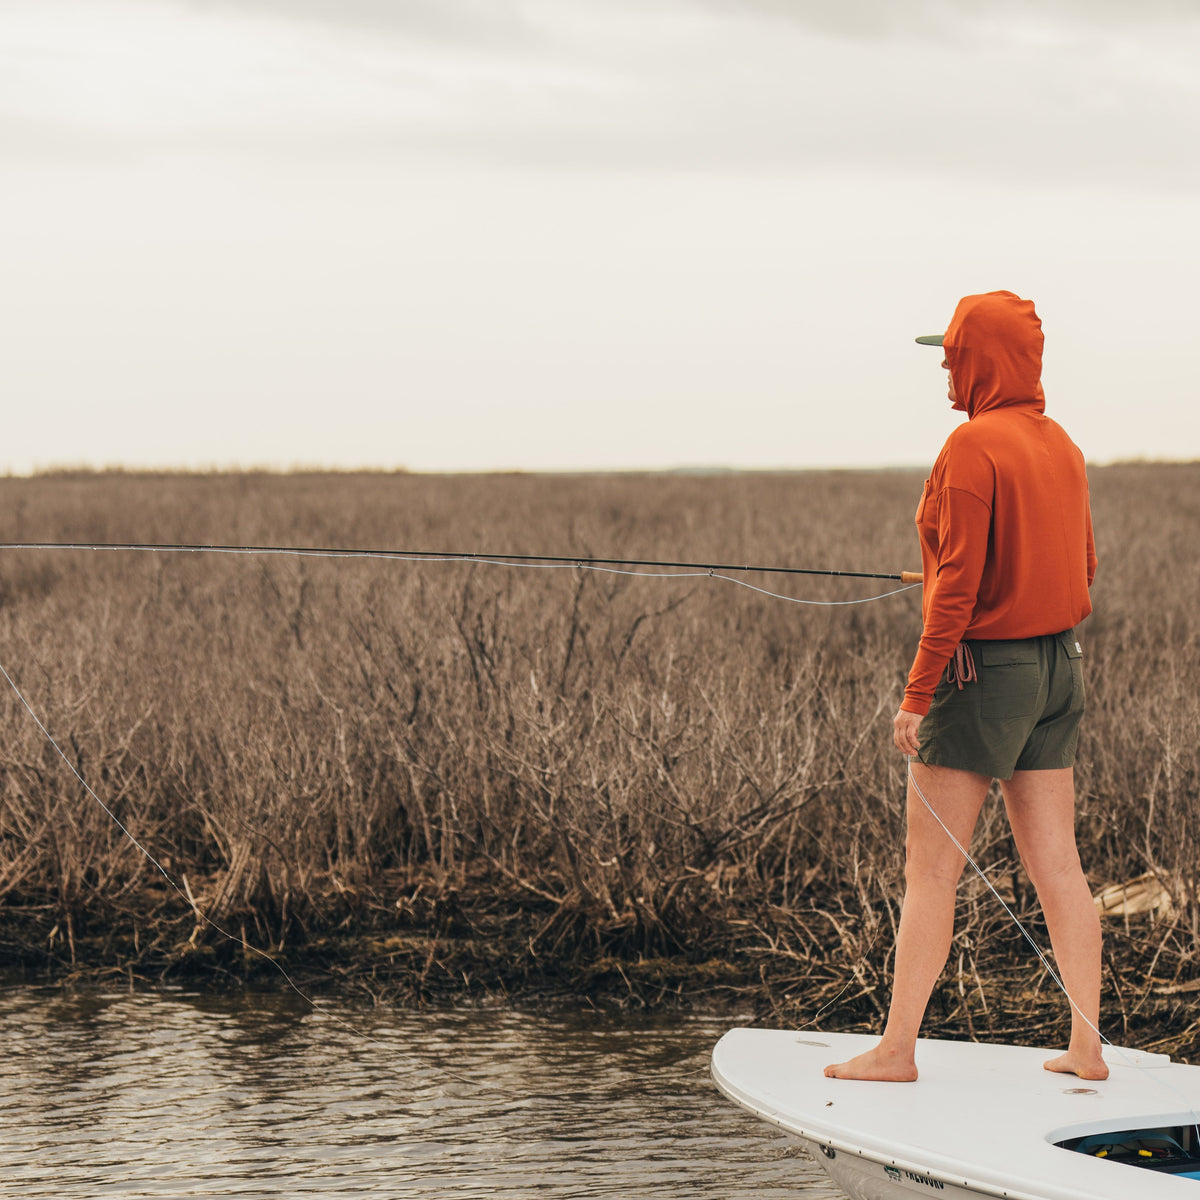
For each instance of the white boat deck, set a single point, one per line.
(981, 1120)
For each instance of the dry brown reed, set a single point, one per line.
(427, 777)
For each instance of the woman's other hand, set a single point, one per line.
(906, 725)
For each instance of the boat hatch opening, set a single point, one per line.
(1172, 1150)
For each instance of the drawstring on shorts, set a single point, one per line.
(961, 667)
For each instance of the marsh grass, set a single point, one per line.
(421, 779)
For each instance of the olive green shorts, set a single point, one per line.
(1021, 714)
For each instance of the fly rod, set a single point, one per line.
(905, 577)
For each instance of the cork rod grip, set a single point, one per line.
(911, 577)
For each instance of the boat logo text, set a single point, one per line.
(913, 1177)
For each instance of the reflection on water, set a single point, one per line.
(177, 1094)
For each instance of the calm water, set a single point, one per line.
(112, 1094)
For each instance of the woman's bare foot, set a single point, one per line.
(878, 1064)
(1085, 1065)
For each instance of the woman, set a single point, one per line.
(996, 688)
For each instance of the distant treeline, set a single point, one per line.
(423, 779)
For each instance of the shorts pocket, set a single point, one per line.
(1075, 659)
(1010, 676)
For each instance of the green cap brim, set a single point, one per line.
(933, 339)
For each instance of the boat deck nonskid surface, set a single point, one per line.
(981, 1117)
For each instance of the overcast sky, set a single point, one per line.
(570, 234)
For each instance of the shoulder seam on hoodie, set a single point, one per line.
(949, 487)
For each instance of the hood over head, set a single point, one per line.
(993, 347)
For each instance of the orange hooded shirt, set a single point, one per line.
(1004, 520)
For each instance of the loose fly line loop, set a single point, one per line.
(667, 570)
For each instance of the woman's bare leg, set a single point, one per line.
(1041, 811)
(933, 865)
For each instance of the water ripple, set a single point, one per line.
(171, 1094)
